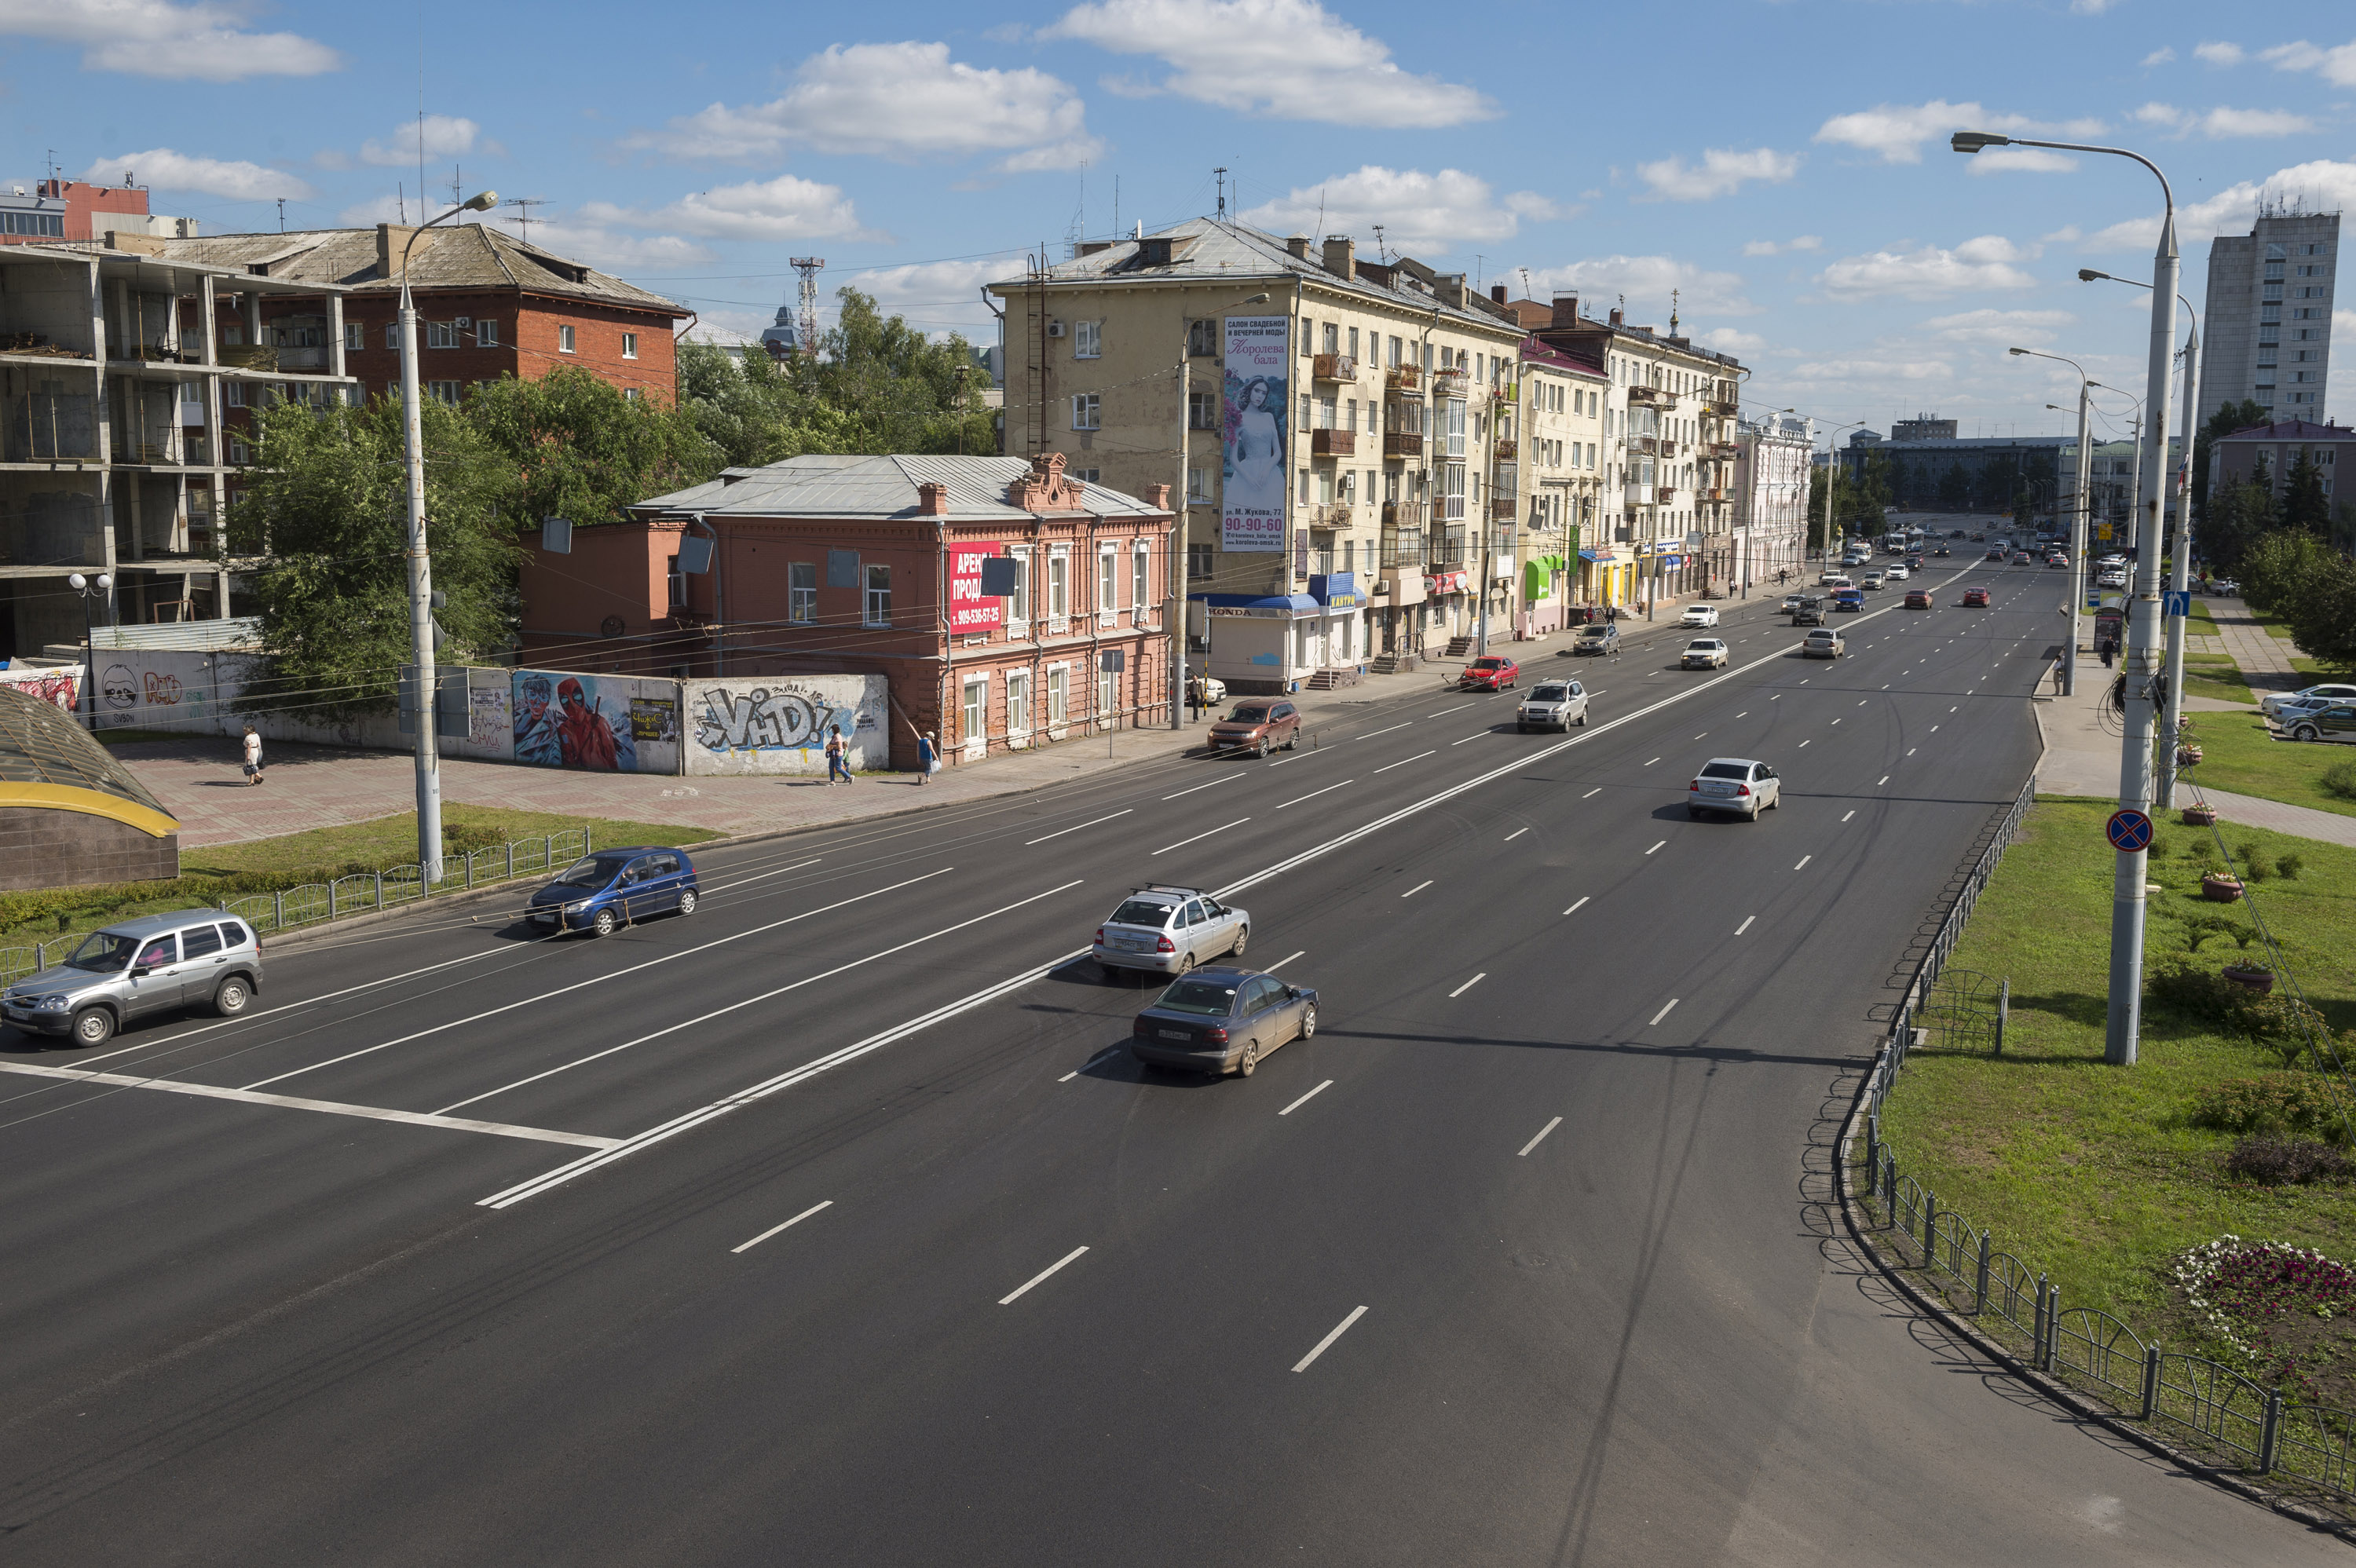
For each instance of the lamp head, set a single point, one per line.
(106, 581)
(2088, 274)
(481, 201)
(1973, 140)
(76, 582)
(2016, 351)
(1257, 299)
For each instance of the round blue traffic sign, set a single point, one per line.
(2129, 831)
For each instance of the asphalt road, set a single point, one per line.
(832, 1225)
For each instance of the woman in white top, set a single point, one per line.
(253, 756)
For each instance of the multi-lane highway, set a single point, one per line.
(831, 1224)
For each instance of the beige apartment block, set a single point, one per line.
(1368, 446)
(1560, 449)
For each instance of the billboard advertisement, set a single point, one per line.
(969, 609)
(597, 723)
(778, 724)
(1252, 473)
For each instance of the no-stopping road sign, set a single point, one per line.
(2129, 832)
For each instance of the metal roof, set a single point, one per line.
(834, 485)
(462, 256)
(41, 744)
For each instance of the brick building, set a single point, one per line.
(829, 564)
(63, 209)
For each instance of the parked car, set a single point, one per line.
(1552, 705)
(1976, 598)
(1222, 1020)
(1811, 612)
(1204, 690)
(159, 962)
(1259, 725)
(1490, 672)
(1735, 785)
(1160, 929)
(1700, 616)
(606, 890)
(2337, 722)
(2225, 587)
(1703, 653)
(2276, 702)
(1601, 637)
(1917, 598)
(1823, 643)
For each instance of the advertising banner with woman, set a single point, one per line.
(1252, 496)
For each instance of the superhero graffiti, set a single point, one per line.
(574, 721)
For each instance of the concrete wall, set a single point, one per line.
(777, 724)
(595, 723)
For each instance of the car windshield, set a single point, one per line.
(1249, 713)
(1726, 770)
(1142, 911)
(103, 952)
(1547, 694)
(592, 873)
(1207, 998)
(1488, 664)
(1704, 643)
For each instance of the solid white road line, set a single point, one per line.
(1416, 889)
(597, 979)
(1212, 785)
(1574, 909)
(1468, 985)
(1074, 828)
(1306, 1098)
(1314, 793)
(1198, 837)
(1469, 739)
(1745, 926)
(1662, 1014)
(1657, 847)
(763, 997)
(292, 1102)
(1804, 860)
(1339, 1329)
(1043, 1273)
(1405, 760)
(787, 1226)
(1516, 832)
(1802, 744)
(1649, 763)
(1283, 961)
(1540, 1139)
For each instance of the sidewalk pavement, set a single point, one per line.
(2263, 658)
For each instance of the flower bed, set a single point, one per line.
(2286, 1310)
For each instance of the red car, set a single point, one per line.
(1917, 600)
(1976, 599)
(1490, 673)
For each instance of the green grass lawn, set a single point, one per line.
(2237, 755)
(2216, 674)
(2094, 1174)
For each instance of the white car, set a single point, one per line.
(1700, 615)
(1896, 574)
(1736, 785)
(2275, 702)
(1161, 929)
(1552, 705)
(1703, 653)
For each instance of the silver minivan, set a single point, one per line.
(160, 962)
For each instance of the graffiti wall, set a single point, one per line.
(596, 723)
(778, 723)
(60, 684)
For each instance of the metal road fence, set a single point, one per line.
(2221, 1411)
(290, 908)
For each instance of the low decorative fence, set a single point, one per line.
(365, 892)
(2220, 1410)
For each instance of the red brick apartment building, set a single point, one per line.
(63, 209)
(860, 565)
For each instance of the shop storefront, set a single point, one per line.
(1341, 627)
(1546, 582)
(1446, 598)
(1606, 576)
(1264, 644)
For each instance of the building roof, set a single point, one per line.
(48, 761)
(848, 485)
(2292, 430)
(1214, 249)
(463, 256)
(1536, 352)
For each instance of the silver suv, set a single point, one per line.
(194, 957)
(1552, 705)
(1165, 930)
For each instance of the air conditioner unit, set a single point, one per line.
(463, 322)
(1054, 329)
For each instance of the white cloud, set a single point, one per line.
(2324, 186)
(608, 250)
(2224, 121)
(2021, 160)
(168, 170)
(2218, 53)
(1896, 131)
(2157, 114)
(1780, 247)
(1417, 210)
(2091, 7)
(938, 296)
(786, 207)
(1721, 172)
(1928, 272)
(153, 37)
(903, 101)
(1290, 59)
(2160, 56)
(1646, 281)
(2001, 327)
(444, 137)
(1729, 340)
(1817, 370)
(2336, 65)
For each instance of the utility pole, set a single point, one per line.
(2182, 578)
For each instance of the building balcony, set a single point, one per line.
(1507, 448)
(1446, 550)
(1402, 443)
(1666, 493)
(1404, 378)
(1405, 514)
(1637, 495)
(1450, 383)
(1332, 514)
(1643, 443)
(1334, 368)
(1724, 407)
(1503, 509)
(1726, 450)
(1511, 392)
(1654, 395)
(1333, 442)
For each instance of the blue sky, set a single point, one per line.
(1782, 165)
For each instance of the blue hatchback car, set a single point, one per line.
(603, 892)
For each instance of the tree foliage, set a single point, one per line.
(581, 449)
(2228, 419)
(2293, 574)
(2304, 505)
(2241, 516)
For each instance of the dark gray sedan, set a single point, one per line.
(1222, 1020)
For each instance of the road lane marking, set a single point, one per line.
(1074, 828)
(1574, 909)
(1405, 760)
(1468, 985)
(1882, 780)
(1805, 682)
(1339, 1329)
(1198, 837)
(1212, 785)
(1910, 750)
(1044, 1273)
(1591, 793)
(1469, 739)
(1662, 1014)
(1863, 700)
(1414, 889)
(1836, 721)
(1516, 832)
(1313, 794)
(1849, 813)
(1654, 760)
(1283, 961)
(1306, 1098)
(1704, 735)
(1803, 743)
(1446, 711)
(788, 1225)
(1540, 1139)
(1101, 1057)
(1935, 729)
(1407, 724)
(1744, 714)
(1745, 926)
(1656, 846)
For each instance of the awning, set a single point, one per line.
(1271, 606)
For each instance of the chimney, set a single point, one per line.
(1452, 289)
(1158, 497)
(1342, 257)
(1497, 292)
(932, 499)
(1565, 310)
(1619, 316)
(390, 240)
(1299, 246)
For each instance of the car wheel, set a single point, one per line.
(605, 923)
(231, 996)
(1186, 965)
(1243, 934)
(93, 1026)
(1263, 746)
(2307, 732)
(1582, 720)
(1308, 1021)
(687, 902)
(1250, 1063)
(1293, 741)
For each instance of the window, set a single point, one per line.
(1059, 680)
(1395, 347)
(629, 394)
(1332, 338)
(1202, 410)
(629, 345)
(1085, 409)
(1202, 339)
(1308, 345)
(1087, 475)
(1018, 604)
(1087, 339)
(1108, 579)
(1353, 343)
(440, 335)
(1198, 563)
(801, 592)
(675, 582)
(1059, 586)
(1198, 487)
(977, 707)
(564, 340)
(235, 334)
(233, 393)
(355, 337)
(1108, 697)
(200, 940)
(1137, 572)
(446, 393)
(879, 596)
(1018, 702)
(391, 334)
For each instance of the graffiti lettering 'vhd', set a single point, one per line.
(765, 719)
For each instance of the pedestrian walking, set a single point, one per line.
(2103, 647)
(253, 757)
(837, 760)
(928, 758)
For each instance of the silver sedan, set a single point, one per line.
(1736, 785)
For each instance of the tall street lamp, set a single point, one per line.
(2140, 676)
(1832, 472)
(89, 588)
(2079, 526)
(1178, 598)
(420, 567)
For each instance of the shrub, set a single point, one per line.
(2254, 869)
(2200, 928)
(2278, 1162)
(2203, 852)
(2340, 779)
(2197, 995)
(2288, 867)
(2275, 1105)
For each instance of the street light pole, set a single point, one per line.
(420, 567)
(2123, 1022)
(2079, 526)
(89, 588)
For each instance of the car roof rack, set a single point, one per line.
(1167, 888)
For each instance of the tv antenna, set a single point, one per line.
(1222, 174)
(522, 219)
(1381, 250)
(809, 267)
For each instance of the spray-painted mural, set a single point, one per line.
(778, 724)
(599, 723)
(59, 684)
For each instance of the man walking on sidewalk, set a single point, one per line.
(836, 761)
(927, 758)
(253, 756)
